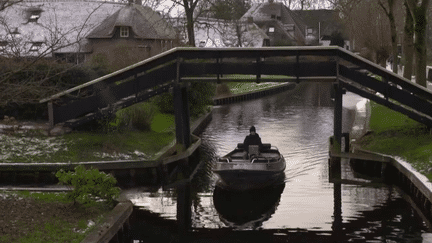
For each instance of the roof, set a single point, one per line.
(327, 20)
(145, 24)
(263, 12)
(67, 23)
(278, 14)
(64, 22)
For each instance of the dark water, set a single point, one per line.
(306, 207)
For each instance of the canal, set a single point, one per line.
(306, 207)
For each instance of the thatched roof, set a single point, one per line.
(68, 23)
(327, 20)
(145, 24)
(269, 11)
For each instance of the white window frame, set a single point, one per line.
(124, 31)
(271, 29)
(35, 46)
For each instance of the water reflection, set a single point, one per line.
(308, 208)
(247, 209)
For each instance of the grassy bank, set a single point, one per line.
(108, 143)
(46, 217)
(245, 87)
(397, 135)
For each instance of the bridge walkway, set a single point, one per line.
(173, 70)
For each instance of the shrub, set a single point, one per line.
(200, 96)
(138, 116)
(89, 185)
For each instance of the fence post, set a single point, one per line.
(181, 109)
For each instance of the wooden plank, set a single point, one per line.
(410, 113)
(362, 156)
(378, 70)
(389, 91)
(266, 68)
(329, 79)
(110, 95)
(100, 165)
(112, 223)
(121, 104)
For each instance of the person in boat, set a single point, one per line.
(252, 139)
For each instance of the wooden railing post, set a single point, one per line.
(51, 113)
(181, 109)
(337, 123)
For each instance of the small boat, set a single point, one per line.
(261, 168)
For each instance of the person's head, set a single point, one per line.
(252, 130)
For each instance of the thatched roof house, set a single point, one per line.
(76, 30)
(282, 25)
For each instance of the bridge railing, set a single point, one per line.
(281, 64)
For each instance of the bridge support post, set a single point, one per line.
(184, 211)
(181, 110)
(337, 123)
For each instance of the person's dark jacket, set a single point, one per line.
(252, 140)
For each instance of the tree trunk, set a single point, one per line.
(190, 27)
(408, 44)
(393, 34)
(420, 24)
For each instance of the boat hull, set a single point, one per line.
(244, 175)
(243, 180)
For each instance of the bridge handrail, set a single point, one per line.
(383, 72)
(194, 52)
(131, 68)
(164, 63)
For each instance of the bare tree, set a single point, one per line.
(408, 43)
(388, 7)
(418, 10)
(189, 8)
(23, 54)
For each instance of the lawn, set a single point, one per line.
(46, 217)
(245, 87)
(90, 146)
(397, 135)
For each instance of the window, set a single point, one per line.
(124, 31)
(3, 45)
(36, 46)
(271, 30)
(273, 16)
(34, 15)
(15, 31)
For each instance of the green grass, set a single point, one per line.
(245, 87)
(57, 229)
(397, 135)
(91, 146)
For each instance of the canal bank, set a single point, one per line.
(115, 223)
(117, 220)
(368, 165)
(229, 99)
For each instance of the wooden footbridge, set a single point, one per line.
(171, 71)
